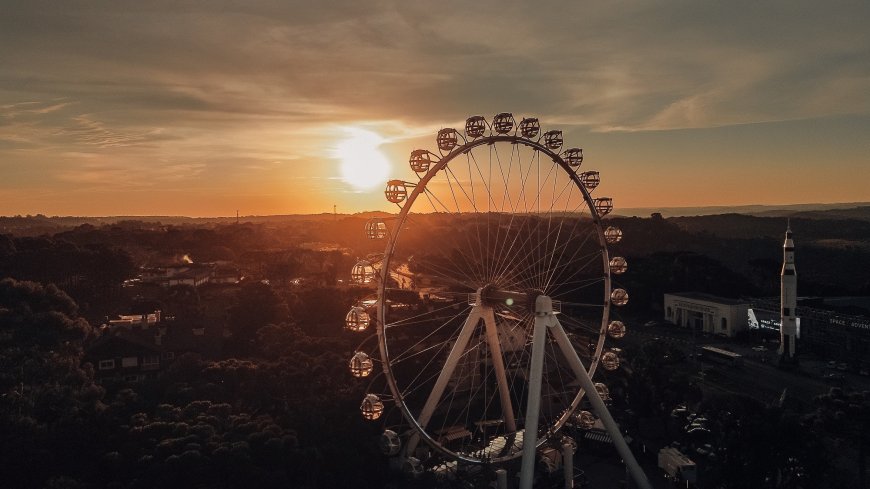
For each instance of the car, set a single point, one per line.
(842, 367)
(650, 324)
(864, 371)
(759, 348)
(679, 412)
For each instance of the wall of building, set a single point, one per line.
(708, 316)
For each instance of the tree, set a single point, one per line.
(255, 306)
(48, 403)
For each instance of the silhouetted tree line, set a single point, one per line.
(283, 416)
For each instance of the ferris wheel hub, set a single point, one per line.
(490, 295)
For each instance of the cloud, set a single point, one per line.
(635, 65)
(235, 86)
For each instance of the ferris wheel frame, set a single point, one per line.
(393, 238)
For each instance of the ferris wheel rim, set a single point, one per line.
(393, 238)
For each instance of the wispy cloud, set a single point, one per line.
(218, 92)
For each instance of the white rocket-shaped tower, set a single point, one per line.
(788, 304)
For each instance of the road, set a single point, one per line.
(759, 376)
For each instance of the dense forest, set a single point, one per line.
(274, 404)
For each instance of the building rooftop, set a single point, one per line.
(701, 296)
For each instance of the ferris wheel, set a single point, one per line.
(494, 296)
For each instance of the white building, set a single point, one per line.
(707, 313)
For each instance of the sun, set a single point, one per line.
(363, 165)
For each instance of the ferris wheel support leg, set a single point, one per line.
(598, 406)
(444, 377)
(543, 318)
(507, 408)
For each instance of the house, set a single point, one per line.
(194, 277)
(138, 347)
(125, 357)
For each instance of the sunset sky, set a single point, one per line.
(204, 108)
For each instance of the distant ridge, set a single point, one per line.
(844, 210)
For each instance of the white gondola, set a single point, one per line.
(376, 228)
(396, 191)
(619, 297)
(613, 234)
(616, 329)
(590, 179)
(371, 407)
(357, 319)
(361, 365)
(603, 391)
(420, 160)
(618, 265)
(610, 361)
(530, 127)
(584, 419)
(447, 139)
(390, 443)
(503, 123)
(574, 157)
(475, 126)
(553, 140)
(413, 467)
(604, 205)
(362, 273)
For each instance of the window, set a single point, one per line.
(670, 312)
(130, 361)
(169, 355)
(724, 324)
(151, 361)
(131, 378)
(107, 364)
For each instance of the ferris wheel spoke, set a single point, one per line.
(498, 366)
(503, 254)
(450, 275)
(505, 178)
(579, 284)
(469, 264)
(446, 173)
(399, 358)
(545, 277)
(534, 265)
(476, 222)
(476, 257)
(447, 370)
(461, 270)
(587, 260)
(525, 180)
(549, 224)
(528, 238)
(559, 266)
(568, 318)
(486, 187)
(431, 195)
